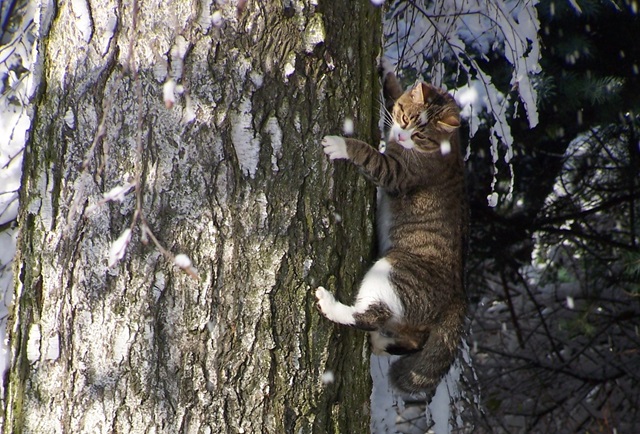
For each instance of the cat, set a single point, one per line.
(412, 300)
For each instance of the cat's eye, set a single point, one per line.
(405, 120)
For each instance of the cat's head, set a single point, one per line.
(425, 118)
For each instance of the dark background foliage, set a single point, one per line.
(553, 269)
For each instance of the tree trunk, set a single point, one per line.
(232, 176)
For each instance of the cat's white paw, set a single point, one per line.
(335, 147)
(325, 300)
(333, 310)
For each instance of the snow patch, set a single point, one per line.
(306, 266)
(121, 344)
(314, 33)
(33, 344)
(178, 51)
(70, 119)
(168, 93)
(83, 22)
(347, 127)
(53, 348)
(383, 400)
(119, 247)
(160, 69)
(327, 377)
(256, 78)
(189, 114)
(439, 408)
(109, 31)
(118, 193)
(492, 199)
(182, 261)
(447, 393)
(412, 420)
(289, 66)
(445, 147)
(246, 145)
(262, 203)
(216, 19)
(158, 285)
(570, 302)
(289, 69)
(38, 205)
(205, 19)
(473, 100)
(275, 133)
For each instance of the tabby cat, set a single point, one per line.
(412, 300)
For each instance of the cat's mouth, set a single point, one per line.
(402, 136)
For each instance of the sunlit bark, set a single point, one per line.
(232, 175)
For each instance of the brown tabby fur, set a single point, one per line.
(425, 197)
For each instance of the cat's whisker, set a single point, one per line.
(388, 117)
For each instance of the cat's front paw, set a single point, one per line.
(325, 300)
(335, 147)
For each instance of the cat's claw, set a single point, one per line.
(335, 147)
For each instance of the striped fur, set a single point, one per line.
(413, 300)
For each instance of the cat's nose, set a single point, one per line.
(402, 137)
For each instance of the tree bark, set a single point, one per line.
(232, 176)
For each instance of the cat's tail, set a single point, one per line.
(423, 370)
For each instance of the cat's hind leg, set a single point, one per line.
(333, 309)
(376, 302)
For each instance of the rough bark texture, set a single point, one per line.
(234, 177)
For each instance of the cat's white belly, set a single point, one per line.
(376, 288)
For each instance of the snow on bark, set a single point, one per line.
(33, 344)
(347, 127)
(314, 33)
(168, 93)
(246, 144)
(83, 19)
(275, 134)
(119, 247)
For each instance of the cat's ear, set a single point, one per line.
(450, 123)
(421, 93)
